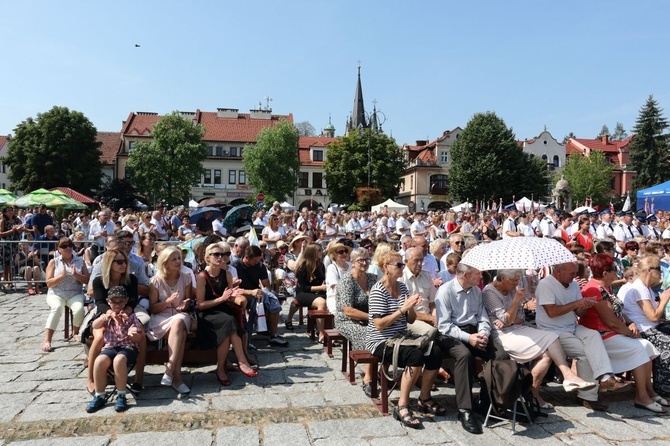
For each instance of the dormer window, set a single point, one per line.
(317, 155)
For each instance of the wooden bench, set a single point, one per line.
(380, 397)
(157, 354)
(313, 315)
(330, 336)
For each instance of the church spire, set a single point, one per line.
(358, 116)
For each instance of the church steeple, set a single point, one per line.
(358, 120)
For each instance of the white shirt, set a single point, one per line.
(508, 226)
(548, 227)
(217, 226)
(423, 286)
(417, 228)
(636, 293)
(604, 230)
(551, 292)
(526, 230)
(161, 233)
(97, 229)
(402, 226)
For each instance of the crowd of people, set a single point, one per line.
(599, 320)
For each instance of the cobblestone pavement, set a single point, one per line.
(300, 398)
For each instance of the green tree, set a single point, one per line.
(347, 165)
(568, 136)
(619, 132)
(272, 164)
(59, 148)
(649, 152)
(604, 130)
(589, 177)
(488, 162)
(118, 193)
(305, 128)
(171, 163)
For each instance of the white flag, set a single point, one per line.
(626, 204)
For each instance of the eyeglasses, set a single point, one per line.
(130, 243)
(120, 261)
(116, 301)
(66, 245)
(657, 268)
(342, 251)
(398, 264)
(363, 260)
(458, 243)
(220, 254)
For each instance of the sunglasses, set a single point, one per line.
(457, 243)
(363, 260)
(342, 251)
(218, 255)
(398, 264)
(657, 268)
(66, 245)
(120, 261)
(128, 243)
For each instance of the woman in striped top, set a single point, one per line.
(390, 309)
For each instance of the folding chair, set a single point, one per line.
(521, 400)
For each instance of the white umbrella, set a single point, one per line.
(588, 209)
(518, 253)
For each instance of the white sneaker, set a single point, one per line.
(181, 388)
(166, 380)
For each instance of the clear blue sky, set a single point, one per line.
(569, 65)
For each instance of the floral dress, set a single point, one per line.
(350, 294)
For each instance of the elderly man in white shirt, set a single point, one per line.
(419, 281)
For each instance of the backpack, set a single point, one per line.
(502, 382)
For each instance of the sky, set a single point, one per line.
(571, 66)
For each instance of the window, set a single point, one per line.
(217, 176)
(444, 156)
(303, 180)
(233, 151)
(317, 180)
(317, 155)
(556, 161)
(131, 146)
(129, 173)
(231, 176)
(242, 177)
(439, 184)
(544, 158)
(208, 176)
(219, 151)
(241, 150)
(210, 151)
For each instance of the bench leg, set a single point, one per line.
(373, 383)
(352, 371)
(385, 393)
(300, 316)
(345, 354)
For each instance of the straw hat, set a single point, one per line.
(297, 238)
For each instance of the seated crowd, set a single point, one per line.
(377, 281)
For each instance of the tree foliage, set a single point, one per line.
(604, 130)
(488, 162)
(589, 177)
(167, 167)
(118, 193)
(649, 151)
(347, 164)
(59, 148)
(305, 128)
(568, 136)
(619, 133)
(272, 164)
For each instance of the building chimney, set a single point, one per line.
(604, 138)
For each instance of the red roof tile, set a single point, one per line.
(76, 195)
(307, 142)
(111, 142)
(242, 129)
(3, 140)
(597, 144)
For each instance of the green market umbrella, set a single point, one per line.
(35, 198)
(6, 197)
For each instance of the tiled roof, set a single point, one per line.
(3, 140)
(578, 144)
(76, 195)
(242, 129)
(111, 142)
(307, 142)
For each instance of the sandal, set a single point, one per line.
(660, 400)
(289, 325)
(407, 419)
(46, 347)
(430, 406)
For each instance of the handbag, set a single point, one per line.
(406, 339)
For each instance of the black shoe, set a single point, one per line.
(470, 422)
(136, 388)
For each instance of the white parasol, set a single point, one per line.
(518, 253)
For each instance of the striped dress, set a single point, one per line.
(381, 304)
